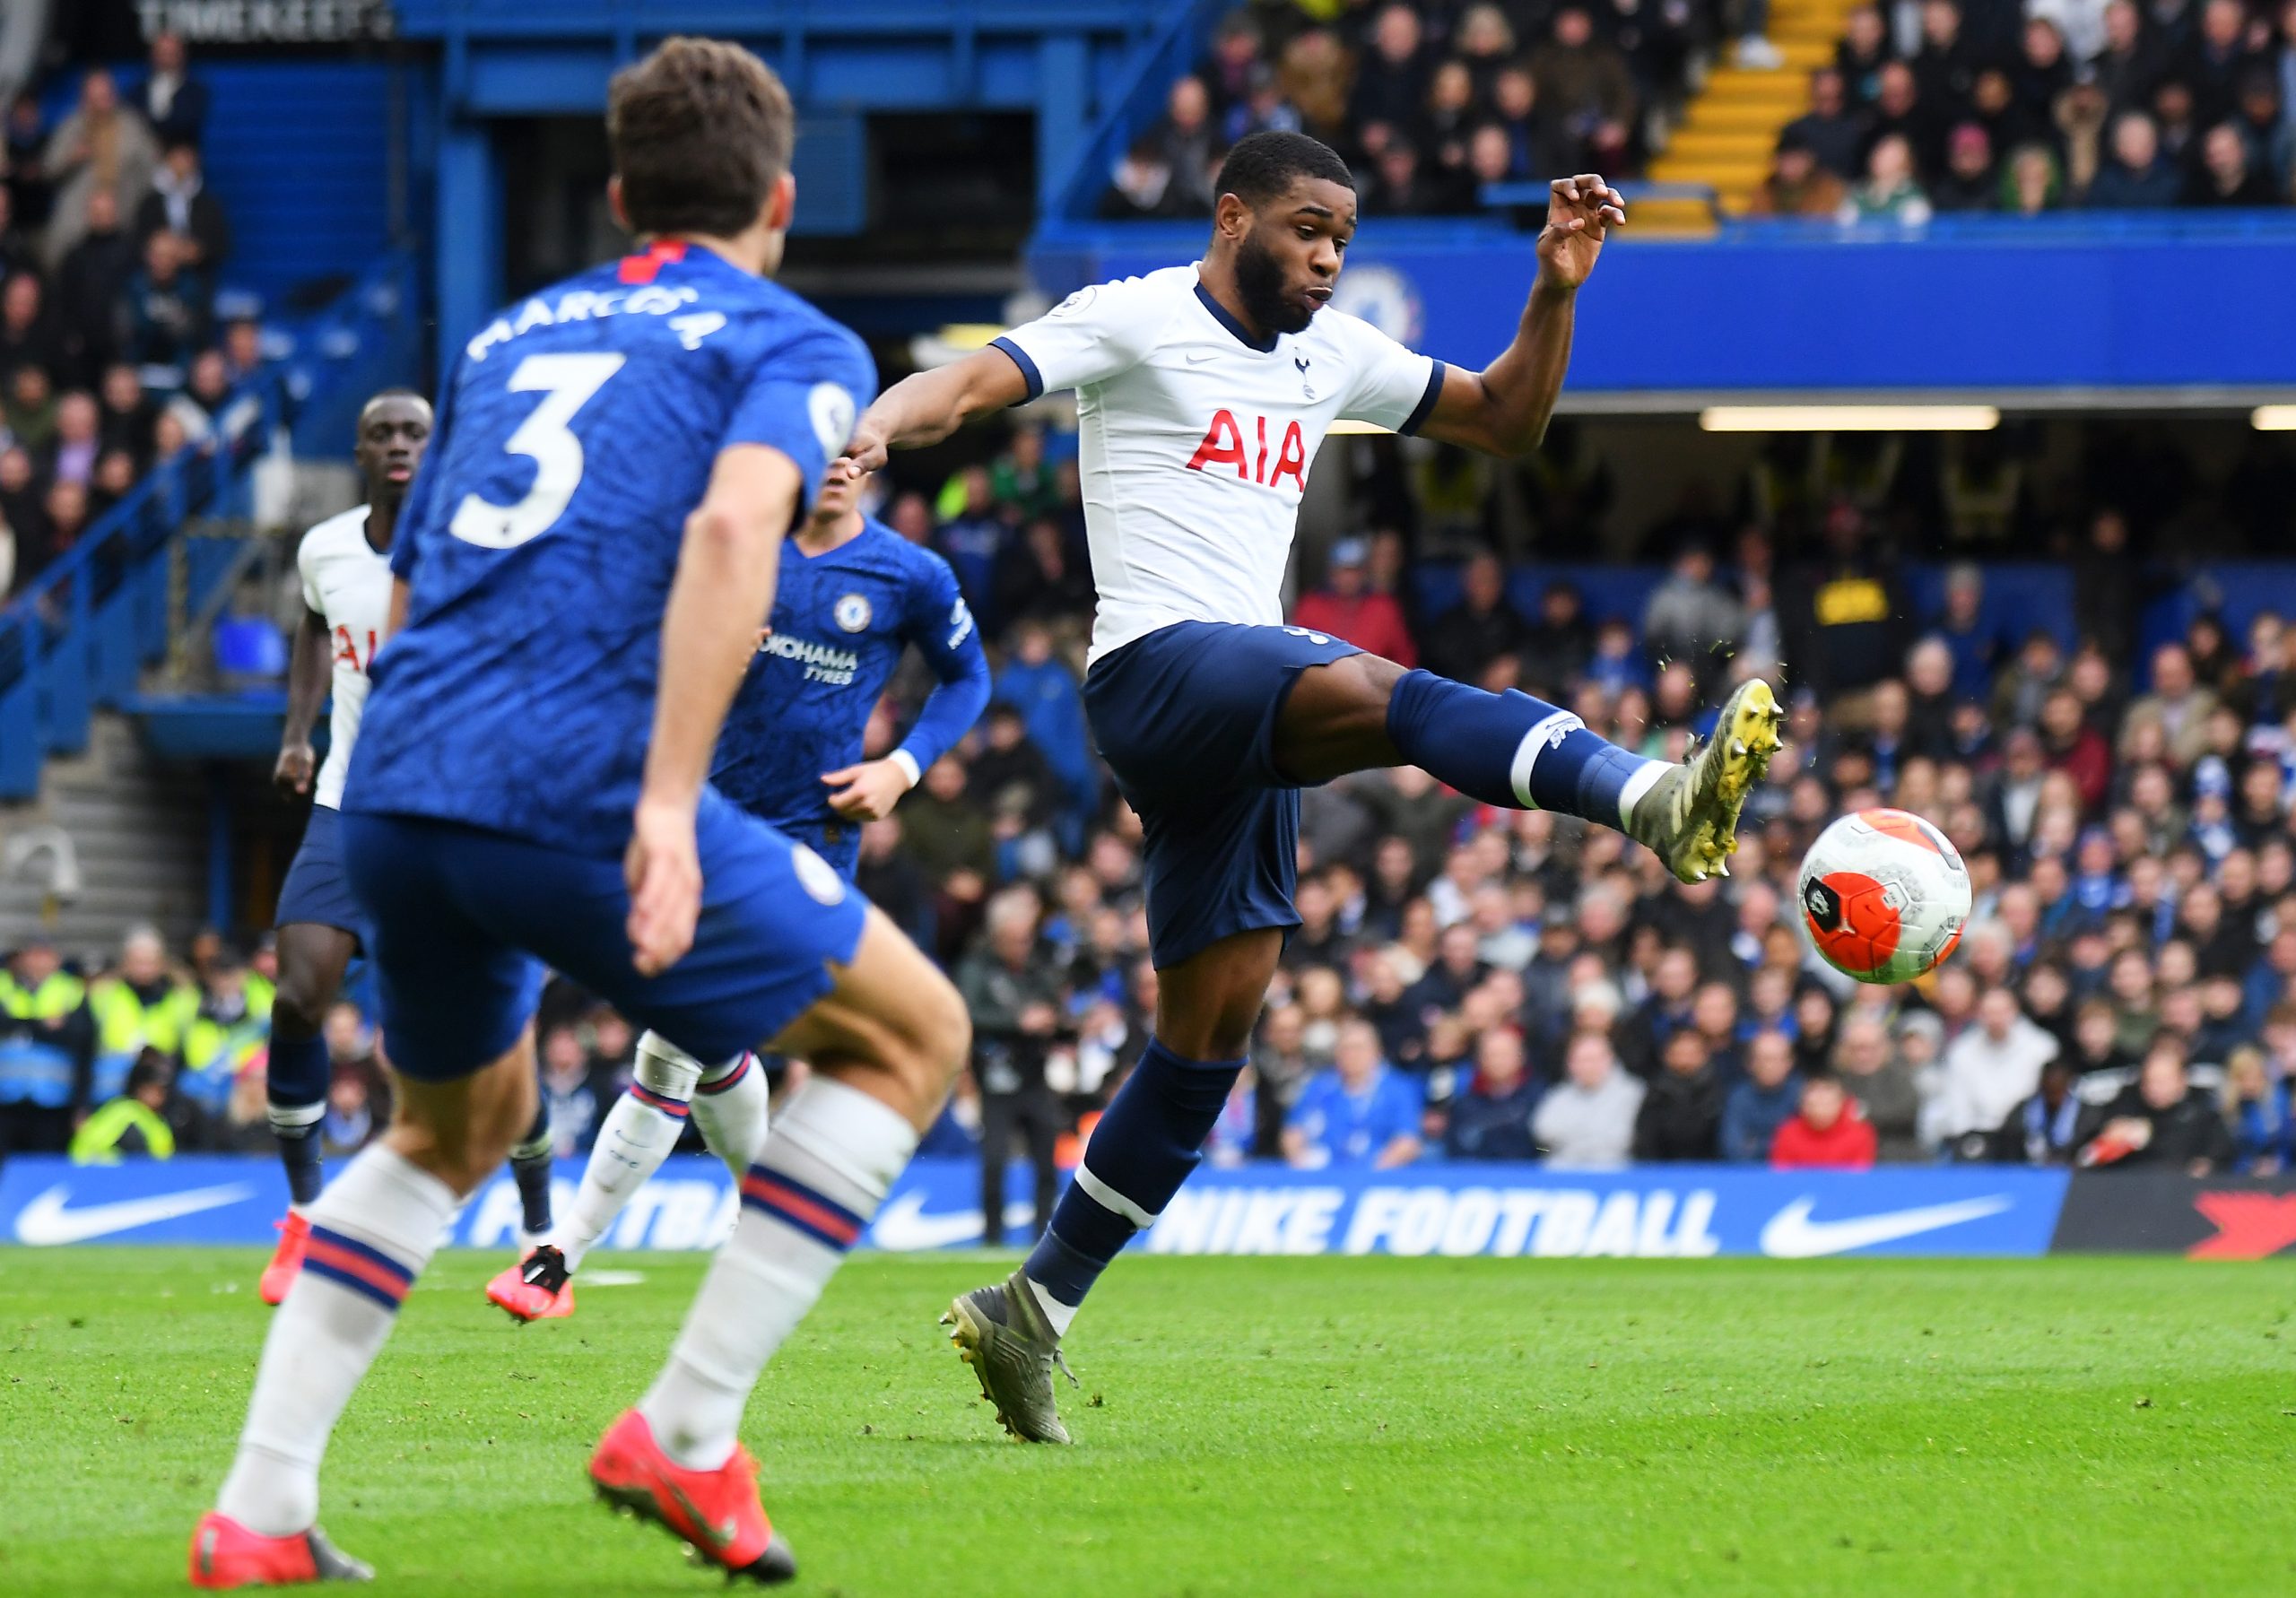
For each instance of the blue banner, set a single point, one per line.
(1652, 1212)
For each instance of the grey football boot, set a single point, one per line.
(1002, 1333)
(1690, 817)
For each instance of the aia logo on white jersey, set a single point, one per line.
(1224, 449)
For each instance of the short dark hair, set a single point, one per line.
(1262, 166)
(700, 131)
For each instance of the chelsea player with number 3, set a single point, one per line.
(852, 596)
(587, 557)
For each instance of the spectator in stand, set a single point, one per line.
(2136, 178)
(1016, 1001)
(971, 538)
(1862, 54)
(1492, 1119)
(1992, 1067)
(1557, 647)
(1881, 1084)
(1347, 607)
(1797, 185)
(1828, 1132)
(1681, 1117)
(1690, 615)
(28, 336)
(1830, 130)
(173, 101)
(1969, 182)
(31, 194)
(136, 1123)
(1536, 141)
(92, 288)
(2050, 1126)
(1358, 1114)
(1477, 630)
(1391, 77)
(167, 309)
(1584, 83)
(1759, 1106)
(1586, 1121)
(125, 420)
(180, 203)
(1889, 192)
(101, 145)
(2163, 1122)
(2177, 707)
(2226, 177)
(2262, 1110)
(72, 454)
(1184, 145)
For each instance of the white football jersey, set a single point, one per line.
(1194, 442)
(348, 581)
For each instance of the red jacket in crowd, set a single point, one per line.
(1845, 1145)
(1371, 622)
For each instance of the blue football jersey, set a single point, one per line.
(840, 622)
(574, 436)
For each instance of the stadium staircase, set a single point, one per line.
(1726, 136)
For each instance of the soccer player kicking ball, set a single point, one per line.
(584, 566)
(1202, 393)
(344, 564)
(852, 595)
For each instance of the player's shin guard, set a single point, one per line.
(1511, 750)
(730, 1106)
(638, 1134)
(1142, 1149)
(822, 1174)
(530, 1166)
(371, 1234)
(295, 1086)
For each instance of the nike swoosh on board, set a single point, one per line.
(1792, 1235)
(49, 1222)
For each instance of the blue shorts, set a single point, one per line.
(465, 919)
(317, 890)
(1185, 718)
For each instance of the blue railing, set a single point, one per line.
(79, 636)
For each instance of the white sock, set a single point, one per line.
(1060, 1314)
(820, 1177)
(638, 1134)
(730, 1106)
(373, 1231)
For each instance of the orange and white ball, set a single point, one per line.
(1884, 895)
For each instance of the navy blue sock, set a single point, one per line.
(530, 1166)
(295, 1088)
(1508, 748)
(1141, 1152)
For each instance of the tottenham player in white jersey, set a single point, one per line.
(1202, 393)
(345, 566)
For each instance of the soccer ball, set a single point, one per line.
(1884, 895)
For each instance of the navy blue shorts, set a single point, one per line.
(317, 890)
(1185, 718)
(465, 921)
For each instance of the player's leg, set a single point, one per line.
(312, 958)
(1510, 748)
(885, 1043)
(456, 1005)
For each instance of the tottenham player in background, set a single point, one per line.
(853, 595)
(345, 566)
(584, 566)
(1202, 393)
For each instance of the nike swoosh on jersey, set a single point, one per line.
(1792, 1235)
(1198, 357)
(49, 1222)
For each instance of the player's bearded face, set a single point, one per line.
(1260, 280)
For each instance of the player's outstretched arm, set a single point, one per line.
(1503, 410)
(927, 407)
(309, 665)
(722, 592)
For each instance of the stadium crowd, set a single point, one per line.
(1940, 107)
(113, 354)
(1474, 983)
(1428, 101)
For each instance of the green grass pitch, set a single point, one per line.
(1255, 1427)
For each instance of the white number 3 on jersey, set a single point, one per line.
(567, 383)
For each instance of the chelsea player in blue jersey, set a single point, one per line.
(583, 565)
(853, 595)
